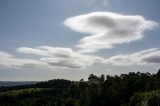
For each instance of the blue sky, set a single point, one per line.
(44, 39)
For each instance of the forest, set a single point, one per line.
(132, 89)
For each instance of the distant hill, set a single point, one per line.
(16, 83)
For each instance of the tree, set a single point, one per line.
(102, 78)
(81, 80)
(92, 77)
(158, 73)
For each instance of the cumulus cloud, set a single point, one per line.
(105, 29)
(62, 57)
(145, 57)
(9, 61)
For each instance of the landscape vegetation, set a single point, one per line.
(132, 89)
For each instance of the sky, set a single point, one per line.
(70, 39)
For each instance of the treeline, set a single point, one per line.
(132, 89)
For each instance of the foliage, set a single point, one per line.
(154, 99)
(139, 99)
(132, 89)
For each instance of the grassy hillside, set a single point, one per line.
(21, 91)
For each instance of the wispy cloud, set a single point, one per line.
(9, 61)
(62, 57)
(144, 57)
(56, 57)
(106, 29)
(4, 55)
(99, 2)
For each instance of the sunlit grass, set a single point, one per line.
(16, 92)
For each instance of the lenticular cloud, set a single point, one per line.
(62, 57)
(105, 29)
(144, 57)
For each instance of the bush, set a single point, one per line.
(154, 99)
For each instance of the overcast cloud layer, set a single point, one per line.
(105, 29)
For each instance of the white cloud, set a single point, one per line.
(7, 60)
(4, 55)
(47, 51)
(145, 57)
(106, 29)
(56, 57)
(62, 57)
(153, 57)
